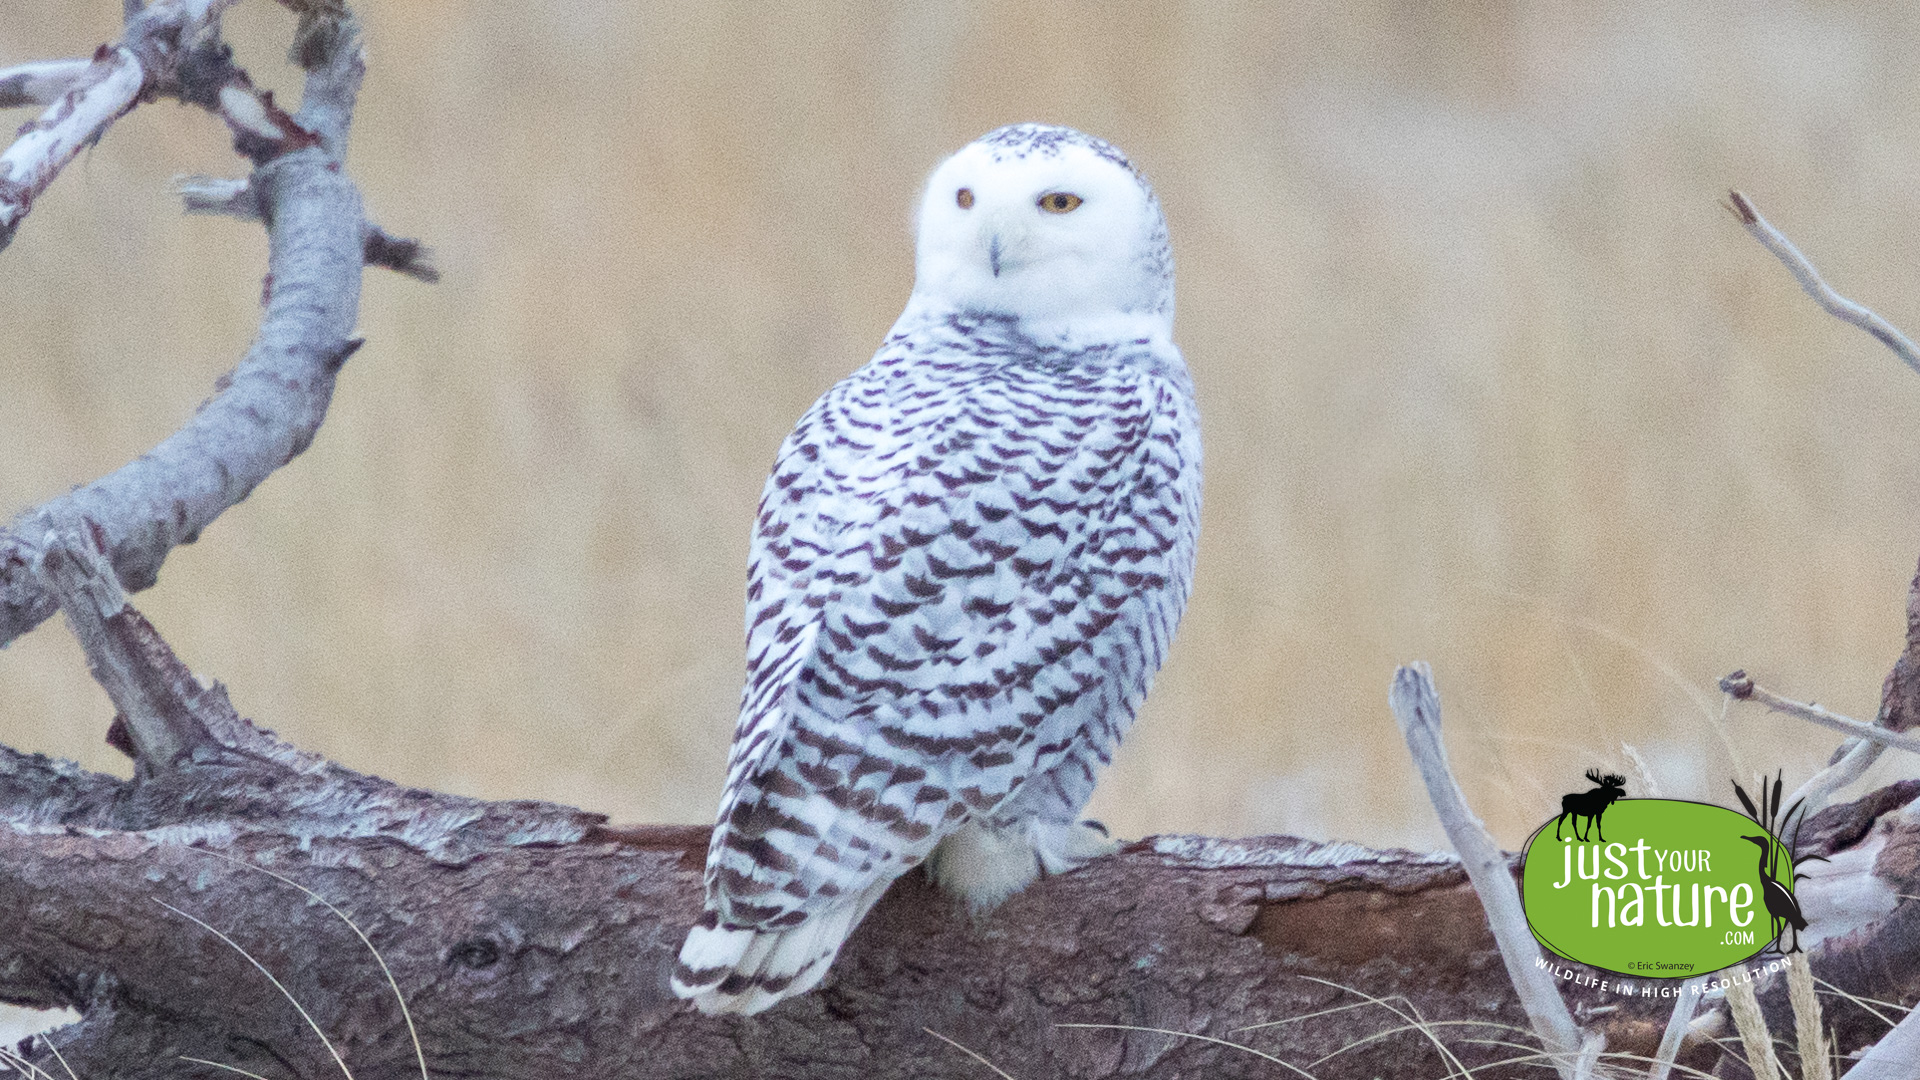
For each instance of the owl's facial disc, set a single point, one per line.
(1058, 232)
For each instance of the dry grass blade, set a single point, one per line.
(59, 1057)
(1865, 1003)
(1892, 1058)
(1423, 1026)
(974, 1054)
(218, 1065)
(405, 1014)
(22, 1066)
(1198, 1038)
(277, 984)
(1632, 645)
(1536, 1056)
(1415, 1020)
(1316, 1015)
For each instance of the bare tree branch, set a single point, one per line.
(1743, 688)
(108, 88)
(148, 62)
(1810, 280)
(1893, 1057)
(1684, 1004)
(268, 409)
(41, 82)
(1416, 706)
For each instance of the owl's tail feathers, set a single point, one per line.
(727, 969)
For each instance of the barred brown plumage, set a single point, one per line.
(968, 564)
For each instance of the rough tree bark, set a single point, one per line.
(531, 939)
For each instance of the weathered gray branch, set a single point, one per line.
(1416, 706)
(1895, 1057)
(268, 409)
(1743, 688)
(40, 82)
(1684, 1004)
(1815, 286)
(147, 61)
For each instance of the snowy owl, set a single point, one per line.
(967, 567)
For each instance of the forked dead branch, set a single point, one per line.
(266, 411)
(532, 939)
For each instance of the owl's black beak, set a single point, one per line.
(993, 254)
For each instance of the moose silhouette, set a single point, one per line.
(1590, 804)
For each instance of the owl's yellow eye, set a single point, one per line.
(965, 198)
(1059, 202)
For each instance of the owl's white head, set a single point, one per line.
(1045, 224)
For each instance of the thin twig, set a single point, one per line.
(146, 62)
(1855, 756)
(108, 88)
(1416, 706)
(1741, 685)
(1832, 302)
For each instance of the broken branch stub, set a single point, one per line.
(153, 719)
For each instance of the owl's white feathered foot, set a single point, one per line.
(983, 864)
(742, 970)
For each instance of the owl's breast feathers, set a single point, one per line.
(968, 564)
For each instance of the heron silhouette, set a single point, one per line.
(1781, 906)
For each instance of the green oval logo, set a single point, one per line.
(1667, 890)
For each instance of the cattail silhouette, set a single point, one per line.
(1590, 804)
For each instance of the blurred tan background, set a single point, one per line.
(1488, 378)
